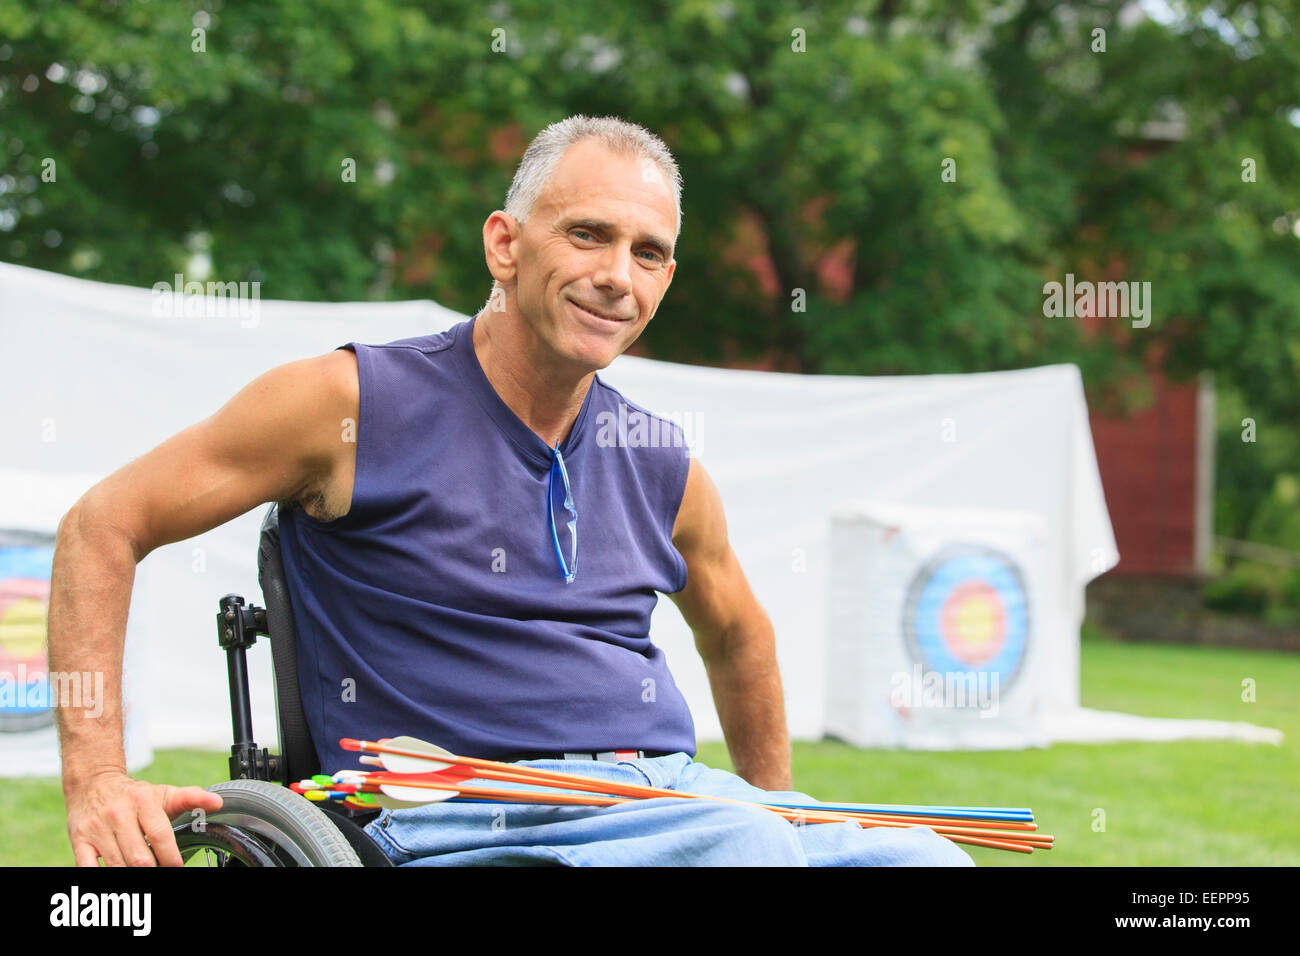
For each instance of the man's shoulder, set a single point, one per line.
(616, 410)
(428, 344)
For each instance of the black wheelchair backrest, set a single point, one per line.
(297, 751)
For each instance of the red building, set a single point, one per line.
(1157, 465)
(1157, 469)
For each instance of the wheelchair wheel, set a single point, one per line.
(261, 824)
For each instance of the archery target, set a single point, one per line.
(936, 616)
(24, 674)
(966, 611)
(31, 506)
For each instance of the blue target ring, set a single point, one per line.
(967, 611)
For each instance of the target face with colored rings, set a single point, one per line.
(967, 611)
(24, 597)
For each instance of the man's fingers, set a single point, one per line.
(158, 829)
(176, 800)
(130, 841)
(85, 854)
(103, 843)
(135, 852)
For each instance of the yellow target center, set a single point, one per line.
(22, 628)
(976, 622)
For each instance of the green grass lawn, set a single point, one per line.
(1166, 804)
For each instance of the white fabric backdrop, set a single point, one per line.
(93, 378)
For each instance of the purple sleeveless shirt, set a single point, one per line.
(436, 606)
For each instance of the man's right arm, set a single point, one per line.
(281, 438)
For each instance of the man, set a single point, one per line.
(431, 492)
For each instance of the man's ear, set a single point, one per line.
(501, 234)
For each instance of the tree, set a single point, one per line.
(910, 175)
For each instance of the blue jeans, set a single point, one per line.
(662, 831)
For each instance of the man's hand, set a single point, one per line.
(111, 815)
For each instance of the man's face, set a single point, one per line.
(600, 237)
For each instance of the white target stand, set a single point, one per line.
(937, 623)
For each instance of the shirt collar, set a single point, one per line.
(523, 437)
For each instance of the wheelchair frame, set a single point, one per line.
(262, 822)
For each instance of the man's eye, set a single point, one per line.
(657, 258)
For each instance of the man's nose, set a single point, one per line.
(614, 273)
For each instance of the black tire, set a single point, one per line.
(262, 824)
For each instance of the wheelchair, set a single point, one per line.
(261, 821)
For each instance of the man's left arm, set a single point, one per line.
(734, 637)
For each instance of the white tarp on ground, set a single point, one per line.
(93, 378)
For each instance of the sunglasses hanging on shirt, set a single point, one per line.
(564, 517)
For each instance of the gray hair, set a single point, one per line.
(550, 145)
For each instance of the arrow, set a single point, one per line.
(901, 809)
(411, 755)
(418, 765)
(408, 790)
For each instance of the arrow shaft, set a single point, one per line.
(375, 783)
(975, 832)
(495, 793)
(495, 770)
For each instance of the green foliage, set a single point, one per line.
(1272, 593)
(812, 140)
(1257, 498)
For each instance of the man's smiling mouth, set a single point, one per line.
(599, 315)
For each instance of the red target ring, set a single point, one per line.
(973, 622)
